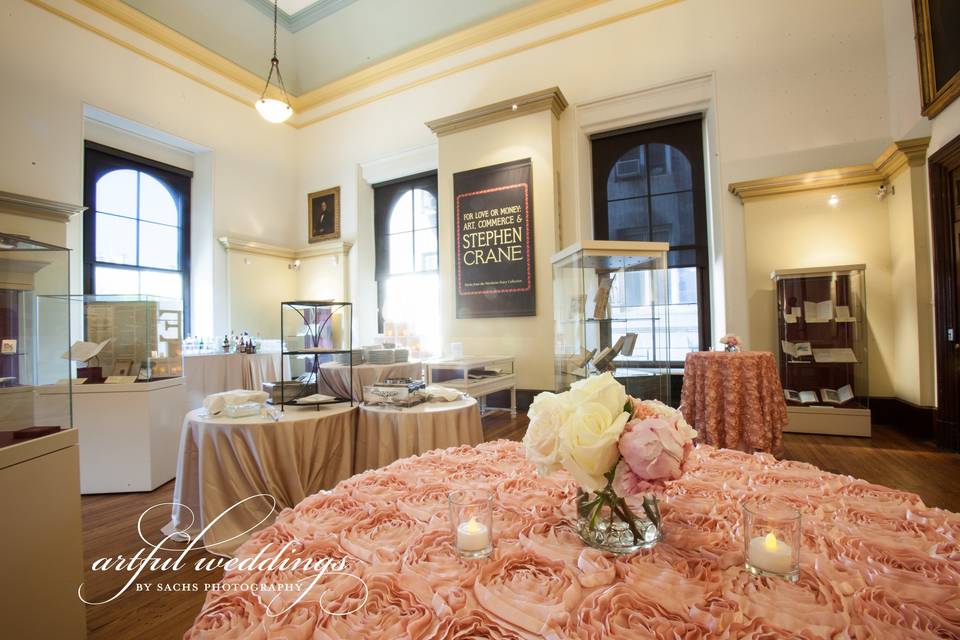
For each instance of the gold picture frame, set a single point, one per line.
(323, 215)
(935, 23)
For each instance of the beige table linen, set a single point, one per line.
(334, 379)
(224, 461)
(207, 373)
(386, 434)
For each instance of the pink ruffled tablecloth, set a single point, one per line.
(734, 399)
(875, 562)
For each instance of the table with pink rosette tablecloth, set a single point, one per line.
(734, 399)
(875, 562)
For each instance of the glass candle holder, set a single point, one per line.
(771, 540)
(471, 521)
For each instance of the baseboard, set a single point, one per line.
(911, 419)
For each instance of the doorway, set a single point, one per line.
(944, 168)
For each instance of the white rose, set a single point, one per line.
(547, 414)
(588, 443)
(603, 389)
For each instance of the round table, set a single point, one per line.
(207, 373)
(734, 399)
(224, 461)
(334, 379)
(874, 562)
(385, 434)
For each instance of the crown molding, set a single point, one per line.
(894, 159)
(242, 245)
(551, 99)
(303, 18)
(28, 206)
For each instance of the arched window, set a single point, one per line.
(408, 277)
(136, 227)
(649, 186)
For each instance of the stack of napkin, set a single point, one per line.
(436, 392)
(215, 403)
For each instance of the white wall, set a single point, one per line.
(52, 68)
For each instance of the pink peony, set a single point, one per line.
(654, 450)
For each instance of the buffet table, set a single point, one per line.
(334, 379)
(386, 434)
(224, 461)
(734, 399)
(875, 562)
(207, 373)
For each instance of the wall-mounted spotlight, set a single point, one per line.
(833, 200)
(295, 265)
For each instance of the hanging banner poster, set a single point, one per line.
(493, 222)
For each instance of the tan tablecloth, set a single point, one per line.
(385, 435)
(224, 461)
(207, 373)
(334, 379)
(734, 399)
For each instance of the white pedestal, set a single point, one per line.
(129, 434)
(41, 539)
(833, 421)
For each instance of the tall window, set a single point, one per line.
(408, 277)
(136, 229)
(649, 185)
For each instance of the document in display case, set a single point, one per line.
(610, 314)
(822, 326)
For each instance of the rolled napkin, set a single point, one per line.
(215, 403)
(436, 392)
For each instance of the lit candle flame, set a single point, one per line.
(770, 542)
(472, 526)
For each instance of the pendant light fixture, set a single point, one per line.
(271, 109)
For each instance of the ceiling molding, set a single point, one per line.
(900, 155)
(888, 164)
(551, 99)
(242, 245)
(28, 206)
(506, 24)
(303, 18)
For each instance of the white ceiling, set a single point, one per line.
(319, 40)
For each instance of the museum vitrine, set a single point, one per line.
(822, 340)
(610, 314)
(33, 341)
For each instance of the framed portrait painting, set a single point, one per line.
(323, 215)
(937, 23)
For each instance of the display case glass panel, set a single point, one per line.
(822, 327)
(133, 338)
(611, 313)
(33, 339)
(314, 332)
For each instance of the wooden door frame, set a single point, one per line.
(941, 165)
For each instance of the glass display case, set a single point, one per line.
(314, 332)
(822, 340)
(126, 338)
(610, 314)
(33, 339)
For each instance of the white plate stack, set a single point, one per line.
(381, 356)
(401, 355)
(344, 358)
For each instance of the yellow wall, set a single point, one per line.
(257, 286)
(803, 230)
(529, 339)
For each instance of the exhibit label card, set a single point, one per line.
(493, 220)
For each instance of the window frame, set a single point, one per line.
(100, 160)
(686, 134)
(385, 197)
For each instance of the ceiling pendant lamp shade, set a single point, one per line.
(271, 109)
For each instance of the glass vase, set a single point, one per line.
(606, 522)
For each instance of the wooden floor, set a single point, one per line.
(888, 458)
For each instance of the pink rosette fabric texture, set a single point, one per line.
(875, 562)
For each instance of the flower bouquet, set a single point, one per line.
(731, 342)
(614, 446)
